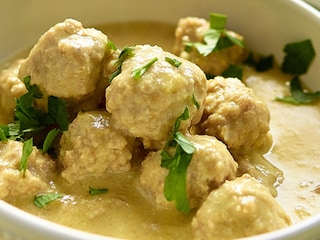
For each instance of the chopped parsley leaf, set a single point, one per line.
(264, 63)
(32, 120)
(233, 71)
(298, 95)
(124, 54)
(260, 63)
(175, 187)
(195, 102)
(111, 45)
(299, 56)
(49, 139)
(43, 200)
(174, 62)
(97, 191)
(3, 136)
(26, 151)
(215, 38)
(57, 113)
(137, 73)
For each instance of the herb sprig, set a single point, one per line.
(138, 72)
(216, 37)
(298, 58)
(29, 121)
(42, 200)
(298, 95)
(175, 188)
(124, 54)
(97, 191)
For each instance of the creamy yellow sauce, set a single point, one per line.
(124, 213)
(295, 131)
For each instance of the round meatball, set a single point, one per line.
(148, 106)
(92, 146)
(239, 208)
(66, 61)
(11, 87)
(36, 178)
(235, 115)
(210, 166)
(193, 29)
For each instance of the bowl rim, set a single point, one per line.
(20, 218)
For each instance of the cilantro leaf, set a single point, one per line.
(184, 143)
(195, 102)
(175, 188)
(42, 200)
(124, 54)
(233, 71)
(174, 62)
(57, 113)
(137, 73)
(26, 151)
(184, 116)
(215, 38)
(210, 38)
(111, 45)
(49, 139)
(218, 21)
(97, 191)
(298, 95)
(299, 56)
(3, 136)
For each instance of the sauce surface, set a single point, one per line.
(124, 213)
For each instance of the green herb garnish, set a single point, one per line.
(260, 63)
(299, 56)
(216, 37)
(3, 136)
(111, 45)
(29, 120)
(137, 73)
(49, 139)
(124, 54)
(97, 191)
(233, 71)
(174, 62)
(43, 200)
(26, 151)
(175, 188)
(195, 102)
(298, 95)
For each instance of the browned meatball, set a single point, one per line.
(235, 115)
(37, 176)
(210, 166)
(92, 146)
(148, 107)
(67, 60)
(239, 208)
(192, 29)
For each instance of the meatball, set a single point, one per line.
(239, 208)
(210, 166)
(148, 107)
(11, 87)
(37, 176)
(92, 146)
(66, 61)
(192, 29)
(235, 115)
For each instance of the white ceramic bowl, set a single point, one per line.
(266, 24)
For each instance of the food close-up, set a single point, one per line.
(142, 129)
